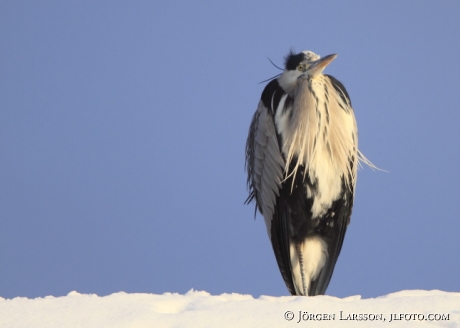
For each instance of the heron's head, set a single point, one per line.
(305, 63)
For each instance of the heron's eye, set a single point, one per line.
(300, 67)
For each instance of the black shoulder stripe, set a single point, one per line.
(340, 88)
(272, 91)
(288, 104)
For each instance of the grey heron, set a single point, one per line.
(301, 160)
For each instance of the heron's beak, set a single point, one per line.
(317, 67)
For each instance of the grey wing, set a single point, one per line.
(264, 163)
(265, 167)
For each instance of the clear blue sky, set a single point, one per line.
(122, 134)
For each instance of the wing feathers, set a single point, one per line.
(264, 160)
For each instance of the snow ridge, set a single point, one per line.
(409, 308)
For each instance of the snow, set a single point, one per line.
(412, 308)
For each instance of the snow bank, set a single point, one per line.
(200, 309)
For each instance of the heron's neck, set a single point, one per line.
(318, 134)
(288, 81)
